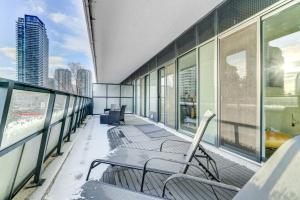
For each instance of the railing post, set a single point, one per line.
(72, 118)
(61, 135)
(37, 177)
(9, 92)
(77, 116)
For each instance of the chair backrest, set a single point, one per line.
(279, 177)
(123, 108)
(114, 107)
(207, 117)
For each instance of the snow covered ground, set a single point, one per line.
(90, 143)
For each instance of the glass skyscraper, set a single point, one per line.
(84, 82)
(32, 51)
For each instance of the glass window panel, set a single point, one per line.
(161, 96)
(77, 103)
(170, 114)
(207, 85)
(187, 85)
(53, 137)
(153, 96)
(26, 115)
(135, 97)
(3, 92)
(99, 105)
(114, 101)
(71, 104)
(67, 125)
(147, 94)
(128, 102)
(59, 106)
(281, 68)
(126, 91)
(113, 91)
(239, 109)
(9, 163)
(138, 97)
(29, 159)
(74, 120)
(142, 97)
(99, 90)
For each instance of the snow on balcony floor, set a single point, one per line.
(91, 143)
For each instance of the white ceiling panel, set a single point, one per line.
(127, 33)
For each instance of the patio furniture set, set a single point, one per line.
(267, 183)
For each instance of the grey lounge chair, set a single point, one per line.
(277, 179)
(93, 190)
(164, 162)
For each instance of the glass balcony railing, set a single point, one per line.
(35, 122)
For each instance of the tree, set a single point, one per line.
(74, 67)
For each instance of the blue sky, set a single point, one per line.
(66, 29)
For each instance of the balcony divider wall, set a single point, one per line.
(33, 120)
(104, 95)
(230, 82)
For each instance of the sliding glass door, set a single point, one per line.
(170, 101)
(138, 96)
(142, 95)
(187, 86)
(153, 113)
(239, 92)
(207, 88)
(281, 75)
(147, 95)
(161, 94)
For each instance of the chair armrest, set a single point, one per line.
(169, 140)
(200, 180)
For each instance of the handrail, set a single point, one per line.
(76, 116)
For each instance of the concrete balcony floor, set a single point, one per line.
(95, 140)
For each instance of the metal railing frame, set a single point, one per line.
(82, 111)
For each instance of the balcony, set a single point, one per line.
(169, 63)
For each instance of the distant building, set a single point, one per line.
(63, 79)
(84, 82)
(32, 51)
(52, 83)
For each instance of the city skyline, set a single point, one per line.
(68, 38)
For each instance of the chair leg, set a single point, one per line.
(143, 180)
(92, 166)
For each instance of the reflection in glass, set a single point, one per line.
(281, 68)
(239, 108)
(26, 115)
(161, 73)
(170, 114)
(153, 96)
(187, 70)
(207, 84)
